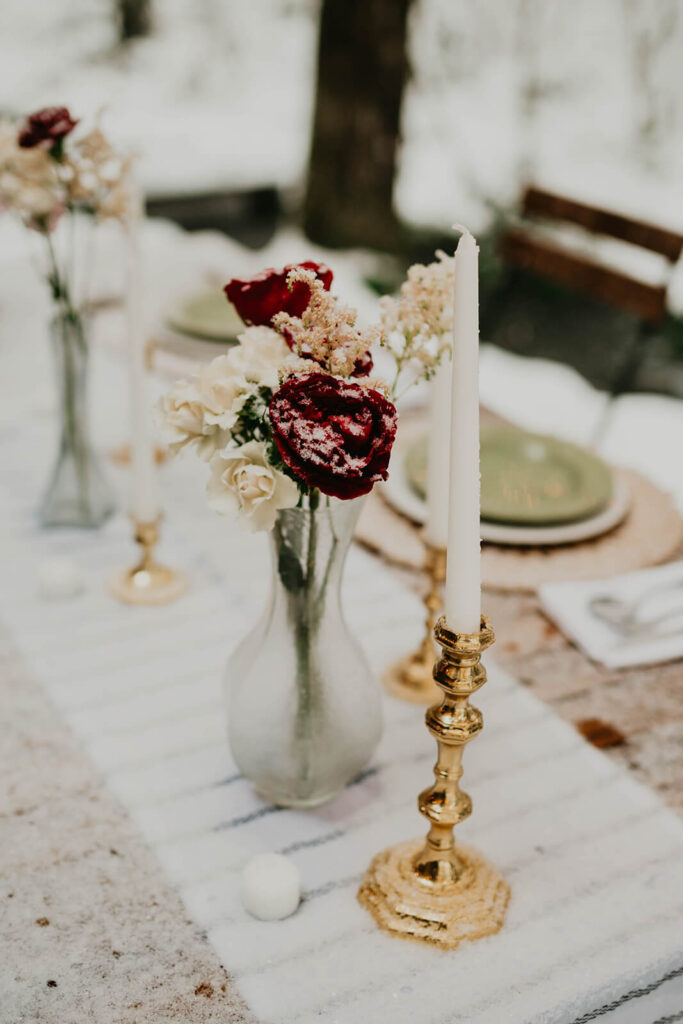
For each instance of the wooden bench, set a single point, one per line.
(578, 273)
(596, 255)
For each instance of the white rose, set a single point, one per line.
(228, 381)
(30, 183)
(223, 392)
(182, 414)
(243, 481)
(35, 202)
(259, 356)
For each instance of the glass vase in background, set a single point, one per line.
(304, 710)
(78, 494)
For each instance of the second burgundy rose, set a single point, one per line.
(333, 434)
(47, 125)
(258, 299)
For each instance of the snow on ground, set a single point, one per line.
(583, 97)
(219, 97)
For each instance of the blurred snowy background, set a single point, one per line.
(218, 97)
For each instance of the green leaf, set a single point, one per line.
(289, 569)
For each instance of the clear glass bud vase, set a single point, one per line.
(78, 493)
(304, 711)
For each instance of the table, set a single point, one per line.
(146, 705)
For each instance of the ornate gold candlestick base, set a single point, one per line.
(147, 582)
(444, 914)
(433, 890)
(412, 678)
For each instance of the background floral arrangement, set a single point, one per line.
(50, 170)
(59, 181)
(292, 412)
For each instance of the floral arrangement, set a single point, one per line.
(292, 412)
(288, 420)
(50, 170)
(57, 179)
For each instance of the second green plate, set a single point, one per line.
(208, 315)
(529, 478)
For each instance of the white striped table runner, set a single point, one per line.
(594, 860)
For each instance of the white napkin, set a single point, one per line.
(657, 591)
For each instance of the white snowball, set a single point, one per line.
(59, 578)
(271, 886)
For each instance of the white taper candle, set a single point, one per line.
(438, 459)
(145, 507)
(463, 571)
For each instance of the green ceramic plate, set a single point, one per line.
(529, 478)
(207, 315)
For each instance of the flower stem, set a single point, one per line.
(307, 618)
(74, 442)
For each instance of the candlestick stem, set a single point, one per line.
(412, 678)
(147, 582)
(432, 890)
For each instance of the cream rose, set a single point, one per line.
(260, 355)
(243, 481)
(223, 392)
(228, 381)
(182, 414)
(30, 183)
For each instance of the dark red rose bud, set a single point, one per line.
(363, 365)
(333, 434)
(48, 125)
(259, 299)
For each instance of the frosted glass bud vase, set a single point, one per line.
(304, 710)
(78, 493)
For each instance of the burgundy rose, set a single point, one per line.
(333, 434)
(259, 298)
(51, 124)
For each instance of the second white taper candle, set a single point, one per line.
(463, 570)
(438, 454)
(145, 506)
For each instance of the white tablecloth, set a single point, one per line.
(594, 860)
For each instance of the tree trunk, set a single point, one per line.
(134, 18)
(362, 69)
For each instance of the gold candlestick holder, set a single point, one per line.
(147, 582)
(433, 890)
(412, 678)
